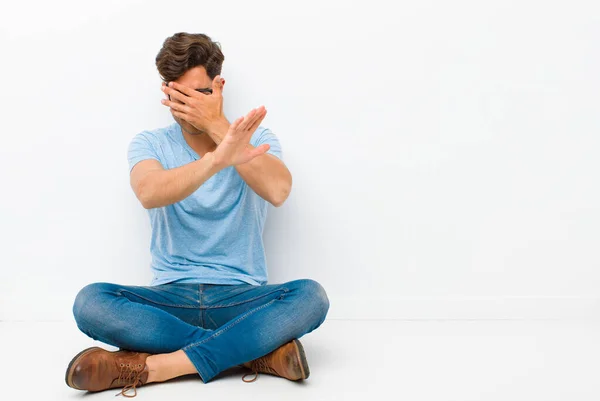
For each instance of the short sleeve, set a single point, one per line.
(140, 148)
(264, 135)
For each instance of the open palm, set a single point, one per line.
(234, 149)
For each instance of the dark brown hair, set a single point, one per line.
(184, 51)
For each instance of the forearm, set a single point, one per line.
(266, 174)
(268, 177)
(165, 187)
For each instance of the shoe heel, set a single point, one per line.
(303, 361)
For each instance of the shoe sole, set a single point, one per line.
(302, 358)
(69, 373)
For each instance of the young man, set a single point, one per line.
(206, 184)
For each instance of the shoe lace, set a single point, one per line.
(259, 365)
(131, 376)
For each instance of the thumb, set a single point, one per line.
(218, 85)
(262, 149)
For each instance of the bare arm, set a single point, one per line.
(156, 187)
(267, 175)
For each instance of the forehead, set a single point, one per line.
(195, 78)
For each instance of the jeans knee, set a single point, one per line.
(315, 298)
(85, 302)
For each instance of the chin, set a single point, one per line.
(187, 127)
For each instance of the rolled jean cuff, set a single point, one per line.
(201, 364)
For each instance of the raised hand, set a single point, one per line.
(235, 148)
(200, 110)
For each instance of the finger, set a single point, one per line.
(175, 94)
(162, 88)
(254, 123)
(234, 127)
(236, 130)
(251, 128)
(179, 114)
(260, 150)
(182, 88)
(260, 116)
(247, 120)
(218, 86)
(176, 106)
(247, 123)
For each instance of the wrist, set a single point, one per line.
(218, 129)
(214, 163)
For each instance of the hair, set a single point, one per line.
(184, 51)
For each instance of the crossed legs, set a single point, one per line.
(202, 329)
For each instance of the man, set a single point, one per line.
(206, 184)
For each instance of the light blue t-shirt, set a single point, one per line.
(214, 236)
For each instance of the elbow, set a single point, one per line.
(281, 195)
(147, 205)
(144, 194)
(146, 202)
(277, 203)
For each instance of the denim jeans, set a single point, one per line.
(217, 326)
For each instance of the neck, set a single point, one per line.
(201, 143)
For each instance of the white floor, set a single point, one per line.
(376, 360)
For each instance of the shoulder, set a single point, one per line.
(261, 129)
(155, 136)
(264, 135)
(261, 134)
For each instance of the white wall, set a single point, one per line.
(444, 154)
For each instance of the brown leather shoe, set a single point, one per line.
(287, 361)
(96, 369)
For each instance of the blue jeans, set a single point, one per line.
(217, 326)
